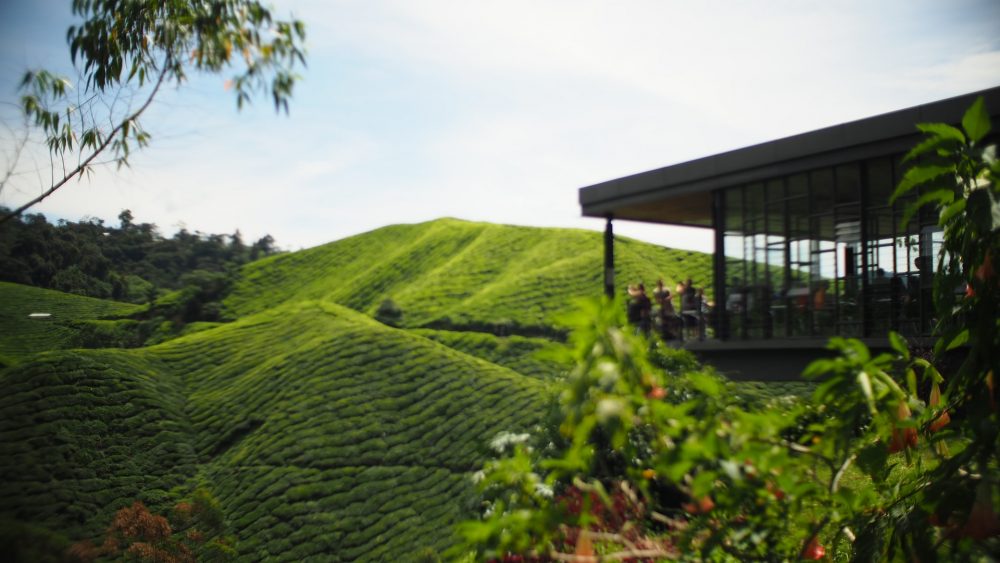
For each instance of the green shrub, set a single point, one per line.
(389, 313)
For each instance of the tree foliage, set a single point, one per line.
(126, 50)
(132, 262)
(887, 460)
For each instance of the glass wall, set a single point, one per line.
(822, 253)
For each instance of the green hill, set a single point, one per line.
(322, 432)
(24, 335)
(319, 430)
(460, 275)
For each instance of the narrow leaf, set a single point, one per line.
(919, 175)
(865, 383)
(911, 381)
(951, 211)
(899, 345)
(927, 145)
(942, 130)
(942, 196)
(959, 340)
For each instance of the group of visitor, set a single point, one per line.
(661, 313)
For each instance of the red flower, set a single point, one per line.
(813, 550)
(656, 393)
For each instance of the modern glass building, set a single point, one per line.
(806, 243)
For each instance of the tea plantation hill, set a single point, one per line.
(460, 275)
(22, 335)
(323, 433)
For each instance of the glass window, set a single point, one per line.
(880, 183)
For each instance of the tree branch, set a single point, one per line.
(18, 147)
(82, 167)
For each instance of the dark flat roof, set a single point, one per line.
(680, 194)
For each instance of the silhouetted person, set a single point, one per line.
(667, 315)
(639, 309)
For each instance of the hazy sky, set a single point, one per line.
(412, 110)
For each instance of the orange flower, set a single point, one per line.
(905, 437)
(704, 505)
(584, 548)
(942, 419)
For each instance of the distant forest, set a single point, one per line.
(132, 262)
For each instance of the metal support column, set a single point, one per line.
(719, 265)
(609, 259)
(867, 303)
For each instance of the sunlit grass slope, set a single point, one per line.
(456, 274)
(22, 336)
(320, 430)
(84, 431)
(525, 355)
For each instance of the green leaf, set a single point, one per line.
(703, 483)
(899, 345)
(918, 175)
(927, 145)
(865, 383)
(960, 339)
(976, 120)
(826, 388)
(951, 211)
(934, 374)
(706, 384)
(942, 131)
(818, 367)
(942, 196)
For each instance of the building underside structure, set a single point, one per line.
(807, 245)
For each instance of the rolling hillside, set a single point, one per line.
(460, 275)
(322, 432)
(23, 335)
(319, 430)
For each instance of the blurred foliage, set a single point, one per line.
(650, 457)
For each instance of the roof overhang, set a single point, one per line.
(681, 194)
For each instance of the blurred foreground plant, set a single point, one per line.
(649, 464)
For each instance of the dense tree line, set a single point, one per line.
(132, 262)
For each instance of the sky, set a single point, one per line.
(412, 110)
